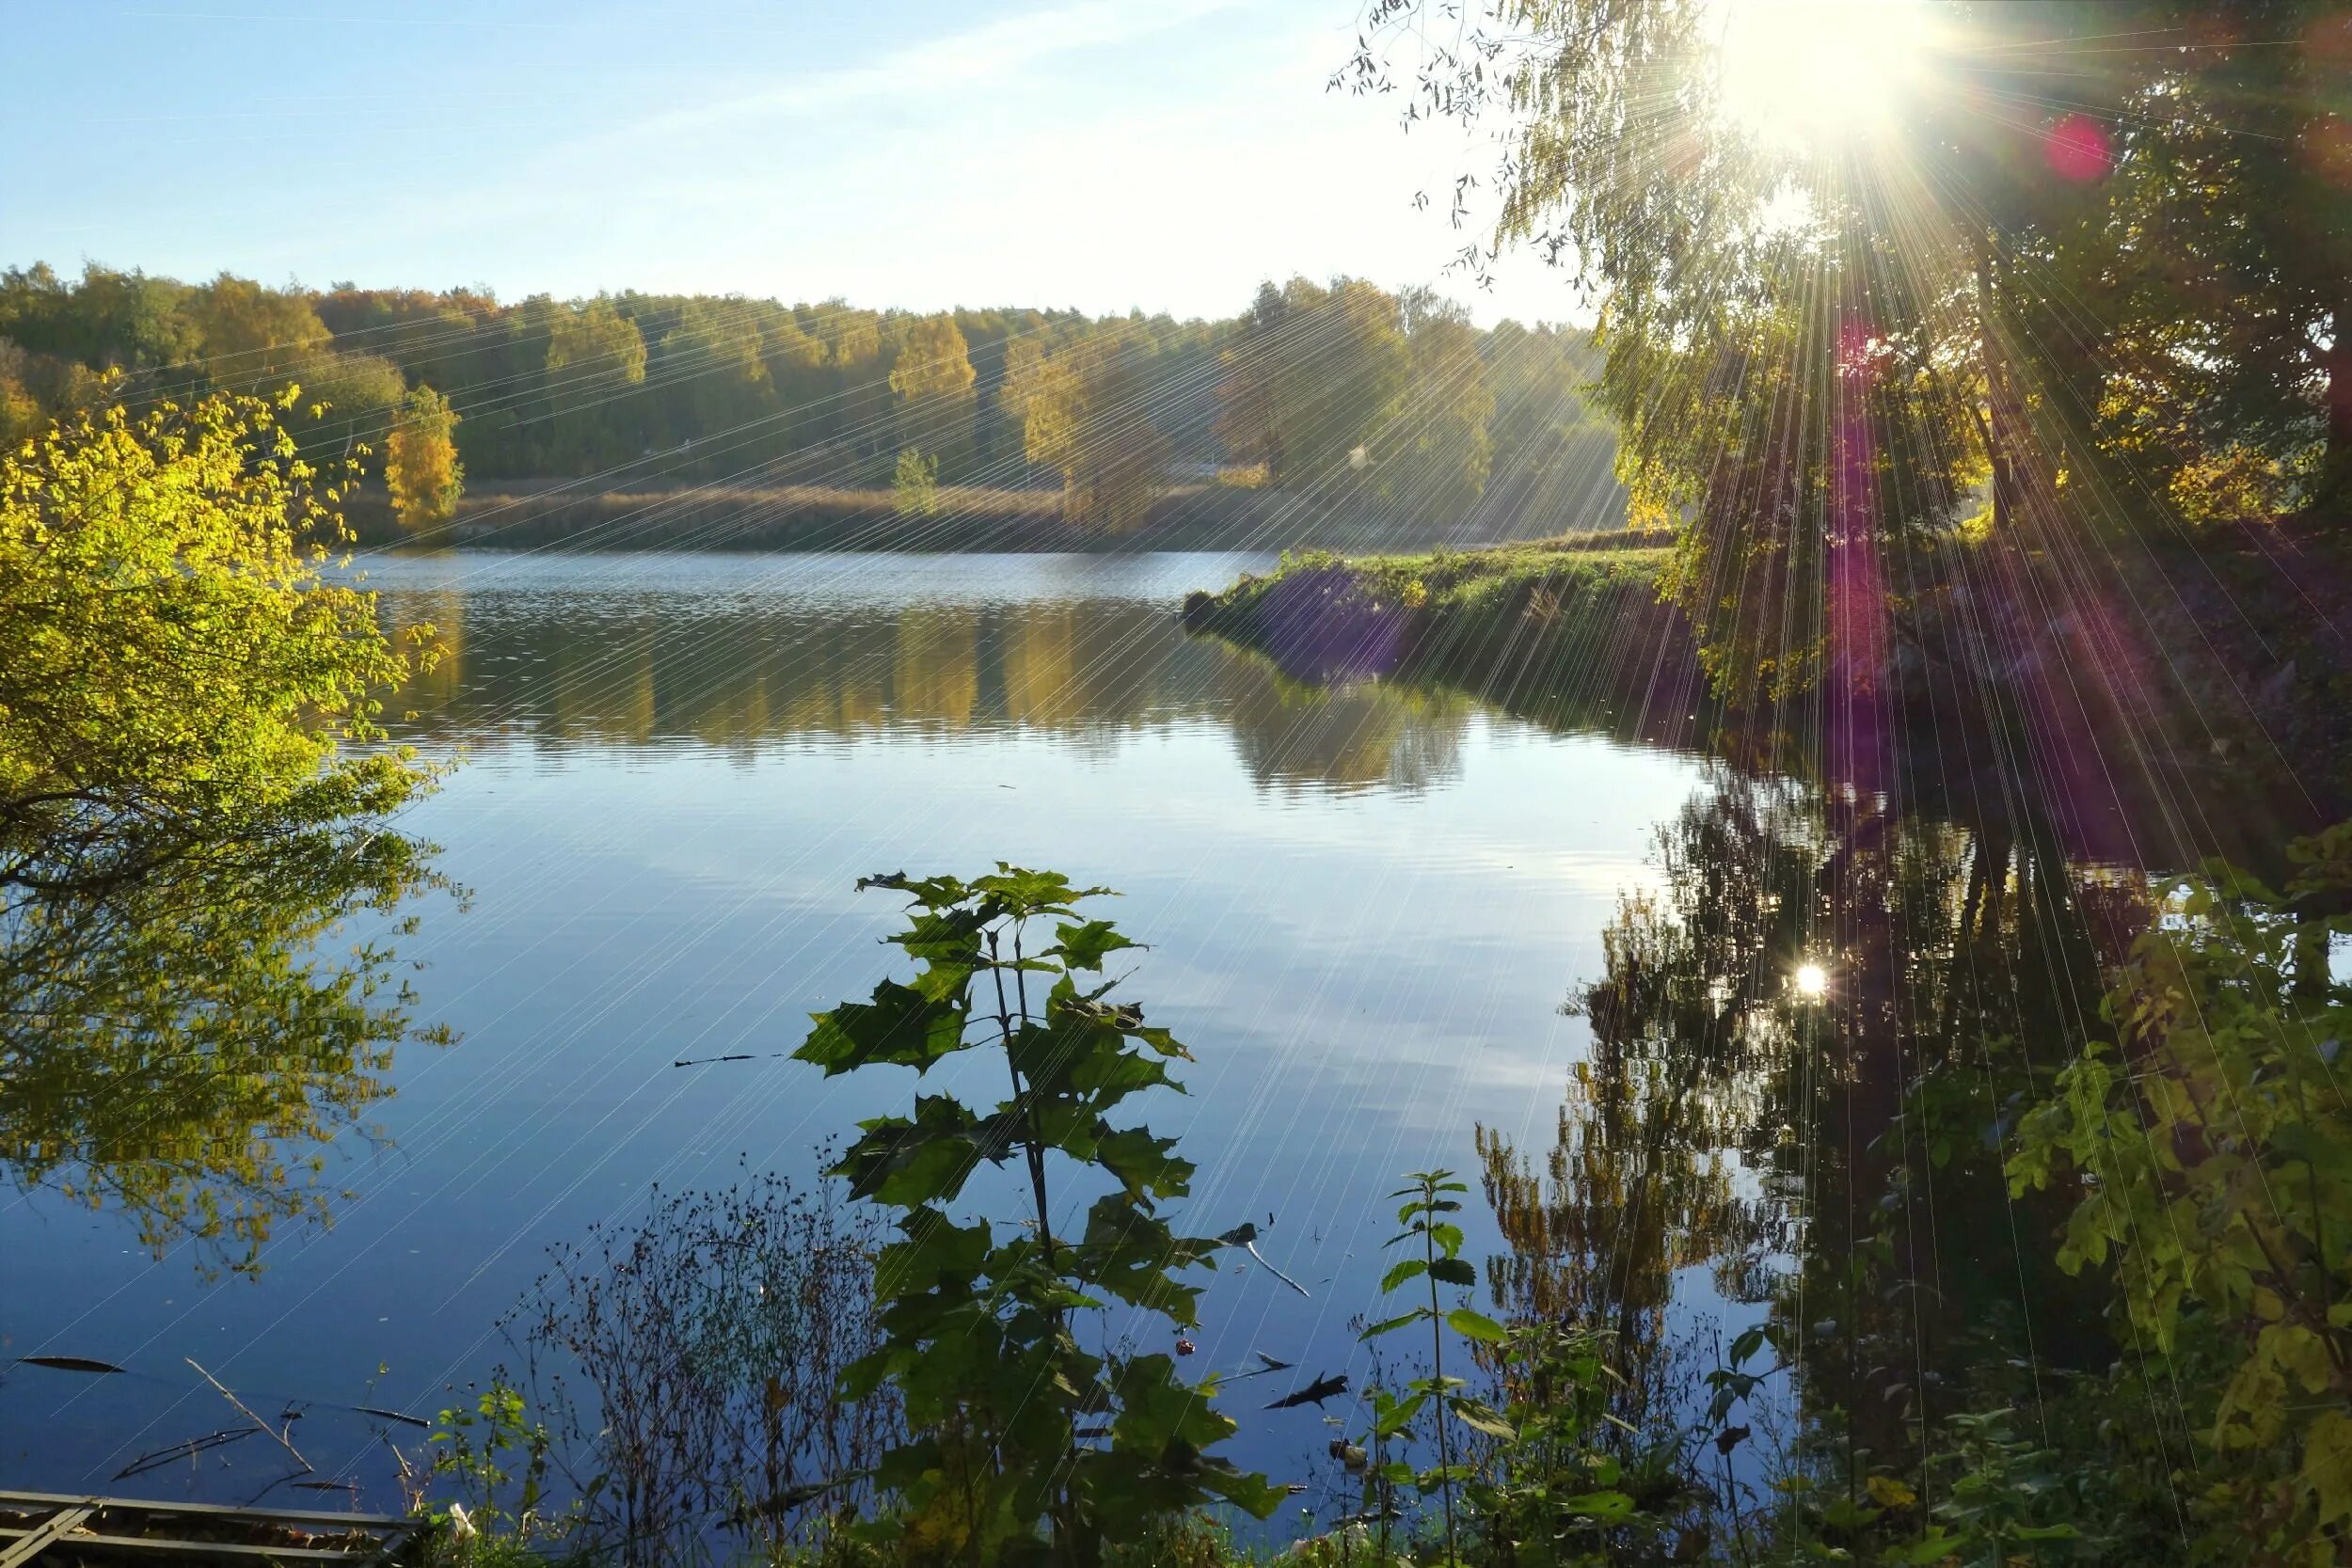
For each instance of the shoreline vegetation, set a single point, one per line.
(788, 519)
(2229, 673)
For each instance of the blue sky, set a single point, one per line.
(1099, 153)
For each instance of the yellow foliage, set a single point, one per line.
(420, 465)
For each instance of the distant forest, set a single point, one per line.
(1344, 394)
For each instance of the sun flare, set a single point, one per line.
(1808, 72)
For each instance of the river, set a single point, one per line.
(1368, 910)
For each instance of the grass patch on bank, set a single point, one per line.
(1448, 581)
(1572, 627)
(1586, 603)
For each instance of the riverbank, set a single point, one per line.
(2195, 671)
(571, 515)
(1560, 608)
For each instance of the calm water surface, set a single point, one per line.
(1365, 910)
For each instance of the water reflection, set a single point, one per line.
(1831, 1155)
(707, 652)
(183, 1044)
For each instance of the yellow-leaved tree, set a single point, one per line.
(420, 465)
(1086, 410)
(933, 379)
(182, 828)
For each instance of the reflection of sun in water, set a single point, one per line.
(1811, 980)
(1805, 71)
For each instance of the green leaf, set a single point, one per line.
(2327, 1465)
(1085, 946)
(1144, 1164)
(1390, 1326)
(900, 1027)
(1473, 1325)
(1606, 1507)
(1107, 1073)
(909, 1163)
(1482, 1417)
(1396, 1418)
(1932, 1547)
(1453, 1271)
(1251, 1492)
(1411, 1267)
(1844, 1513)
(935, 1251)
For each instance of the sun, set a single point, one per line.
(1806, 74)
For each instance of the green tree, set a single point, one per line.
(345, 403)
(914, 485)
(248, 330)
(592, 348)
(176, 664)
(1313, 382)
(1824, 347)
(1447, 449)
(719, 390)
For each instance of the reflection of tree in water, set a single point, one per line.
(1727, 1118)
(1351, 737)
(177, 1045)
(1644, 1178)
(625, 669)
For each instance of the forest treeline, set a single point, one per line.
(1346, 392)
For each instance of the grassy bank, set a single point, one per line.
(1557, 620)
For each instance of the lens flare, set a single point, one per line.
(1811, 980)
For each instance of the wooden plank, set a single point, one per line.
(223, 1551)
(147, 1505)
(46, 1534)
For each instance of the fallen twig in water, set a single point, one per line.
(1270, 1365)
(187, 1450)
(283, 1441)
(1246, 1236)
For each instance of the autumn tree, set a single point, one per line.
(343, 403)
(420, 465)
(1086, 410)
(248, 330)
(932, 381)
(130, 724)
(183, 819)
(1315, 382)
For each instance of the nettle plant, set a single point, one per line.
(1534, 1478)
(1025, 1446)
(1426, 1202)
